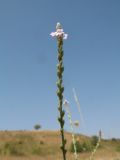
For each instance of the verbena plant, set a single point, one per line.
(60, 36)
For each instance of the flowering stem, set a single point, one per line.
(72, 130)
(60, 35)
(60, 91)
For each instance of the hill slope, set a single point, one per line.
(44, 145)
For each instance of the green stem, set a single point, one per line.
(60, 90)
(73, 135)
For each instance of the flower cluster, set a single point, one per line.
(59, 32)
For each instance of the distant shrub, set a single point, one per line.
(118, 148)
(87, 146)
(11, 149)
(114, 139)
(78, 147)
(37, 126)
(20, 142)
(81, 147)
(36, 150)
(41, 142)
(94, 140)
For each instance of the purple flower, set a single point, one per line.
(59, 32)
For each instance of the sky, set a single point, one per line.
(28, 59)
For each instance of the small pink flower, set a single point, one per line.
(65, 36)
(52, 34)
(59, 32)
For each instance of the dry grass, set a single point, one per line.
(49, 142)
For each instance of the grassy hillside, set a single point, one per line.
(44, 145)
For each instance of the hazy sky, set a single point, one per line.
(28, 58)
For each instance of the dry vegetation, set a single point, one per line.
(44, 145)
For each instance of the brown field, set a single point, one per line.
(48, 143)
